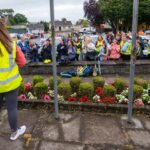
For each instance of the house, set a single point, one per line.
(35, 28)
(63, 26)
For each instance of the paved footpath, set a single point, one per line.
(77, 131)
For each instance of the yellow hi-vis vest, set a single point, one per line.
(128, 50)
(99, 45)
(149, 51)
(10, 78)
(78, 50)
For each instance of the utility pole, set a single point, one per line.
(54, 58)
(133, 58)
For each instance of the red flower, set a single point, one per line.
(85, 99)
(99, 91)
(72, 99)
(27, 86)
(22, 97)
(46, 97)
(138, 103)
(108, 100)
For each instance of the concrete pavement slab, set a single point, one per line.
(50, 132)
(71, 130)
(103, 129)
(141, 138)
(147, 124)
(6, 144)
(60, 146)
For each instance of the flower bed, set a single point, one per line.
(78, 92)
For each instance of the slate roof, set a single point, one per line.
(63, 23)
(35, 26)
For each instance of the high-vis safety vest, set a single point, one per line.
(78, 47)
(10, 78)
(128, 50)
(99, 44)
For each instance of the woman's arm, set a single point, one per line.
(20, 58)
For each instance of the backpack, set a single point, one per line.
(87, 71)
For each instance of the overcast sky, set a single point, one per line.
(37, 10)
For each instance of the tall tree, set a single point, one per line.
(64, 19)
(46, 25)
(93, 13)
(6, 12)
(118, 13)
(20, 18)
(82, 22)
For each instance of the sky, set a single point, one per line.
(37, 10)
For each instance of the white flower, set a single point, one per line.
(145, 91)
(119, 96)
(30, 94)
(74, 95)
(60, 98)
(123, 101)
(51, 93)
(138, 100)
(96, 97)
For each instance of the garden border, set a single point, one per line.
(85, 107)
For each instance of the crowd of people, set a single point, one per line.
(74, 48)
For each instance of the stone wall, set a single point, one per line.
(107, 67)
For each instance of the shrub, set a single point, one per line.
(51, 82)
(86, 89)
(40, 89)
(64, 89)
(98, 82)
(109, 90)
(141, 82)
(119, 84)
(37, 79)
(75, 83)
(138, 91)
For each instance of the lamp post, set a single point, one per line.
(54, 58)
(133, 58)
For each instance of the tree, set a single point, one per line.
(118, 13)
(20, 18)
(93, 13)
(83, 23)
(46, 25)
(63, 19)
(17, 19)
(144, 11)
(6, 12)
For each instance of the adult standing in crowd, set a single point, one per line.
(114, 52)
(99, 44)
(71, 51)
(46, 55)
(33, 51)
(91, 50)
(126, 47)
(78, 46)
(10, 58)
(23, 45)
(62, 50)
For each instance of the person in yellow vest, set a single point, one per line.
(99, 44)
(78, 46)
(126, 47)
(10, 80)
